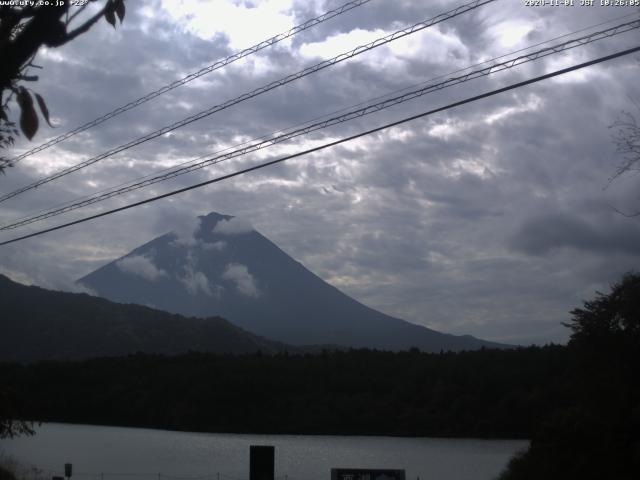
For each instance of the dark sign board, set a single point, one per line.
(261, 462)
(366, 474)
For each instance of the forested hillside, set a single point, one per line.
(488, 393)
(38, 324)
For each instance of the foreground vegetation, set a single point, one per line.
(12, 469)
(597, 434)
(6, 473)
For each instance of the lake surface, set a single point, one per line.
(115, 453)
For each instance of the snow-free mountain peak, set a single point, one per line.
(220, 265)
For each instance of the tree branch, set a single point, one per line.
(88, 24)
(624, 214)
(78, 12)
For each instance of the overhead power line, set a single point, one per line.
(357, 113)
(192, 76)
(334, 143)
(271, 86)
(330, 114)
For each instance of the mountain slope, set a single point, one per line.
(39, 324)
(224, 267)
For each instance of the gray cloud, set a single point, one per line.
(245, 282)
(490, 219)
(141, 266)
(196, 281)
(233, 226)
(219, 245)
(540, 235)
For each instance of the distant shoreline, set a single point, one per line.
(497, 439)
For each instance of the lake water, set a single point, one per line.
(114, 453)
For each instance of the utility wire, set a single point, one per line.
(271, 86)
(204, 71)
(326, 115)
(334, 143)
(70, 203)
(376, 107)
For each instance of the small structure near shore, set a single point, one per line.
(366, 474)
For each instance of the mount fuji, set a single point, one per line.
(222, 267)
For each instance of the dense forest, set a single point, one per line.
(487, 393)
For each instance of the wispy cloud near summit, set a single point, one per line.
(245, 282)
(141, 266)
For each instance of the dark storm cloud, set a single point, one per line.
(539, 236)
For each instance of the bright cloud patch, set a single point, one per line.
(532, 104)
(141, 266)
(244, 24)
(245, 283)
(431, 45)
(342, 42)
(233, 226)
(511, 33)
(567, 60)
(445, 130)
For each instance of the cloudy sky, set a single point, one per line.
(492, 219)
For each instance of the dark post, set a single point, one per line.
(261, 462)
(68, 470)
